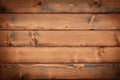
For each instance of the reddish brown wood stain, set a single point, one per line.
(59, 39)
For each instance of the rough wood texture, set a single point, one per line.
(59, 54)
(37, 46)
(60, 21)
(60, 6)
(60, 38)
(58, 71)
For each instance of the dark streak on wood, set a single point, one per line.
(16, 77)
(116, 35)
(13, 36)
(72, 65)
(0, 7)
(26, 76)
(42, 71)
(116, 68)
(3, 9)
(90, 66)
(9, 72)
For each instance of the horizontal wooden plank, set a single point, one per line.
(58, 71)
(59, 54)
(59, 21)
(59, 38)
(60, 6)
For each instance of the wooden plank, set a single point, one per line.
(59, 54)
(58, 71)
(59, 38)
(60, 6)
(59, 21)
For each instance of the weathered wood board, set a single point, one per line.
(58, 71)
(60, 21)
(60, 6)
(60, 38)
(59, 55)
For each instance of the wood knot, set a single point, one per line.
(34, 40)
(9, 41)
(95, 3)
(100, 51)
(39, 4)
(6, 24)
(71, 5)
(66, 25)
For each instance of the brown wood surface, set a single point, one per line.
(59, 38)
(61, 45)
(59, 71)
(59, 21)
(59, 54)
(60, 6)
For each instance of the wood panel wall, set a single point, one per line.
(59, 39)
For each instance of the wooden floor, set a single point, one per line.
(59, 39)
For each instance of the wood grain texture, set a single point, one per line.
(58, 44)
(59, 54)
(59, 38)
(58, 71)
(60, 6)
(60, 21)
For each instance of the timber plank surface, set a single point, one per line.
(59, 38)
(58, 71)
(59, 54)
(60, 6)
(59, 21)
